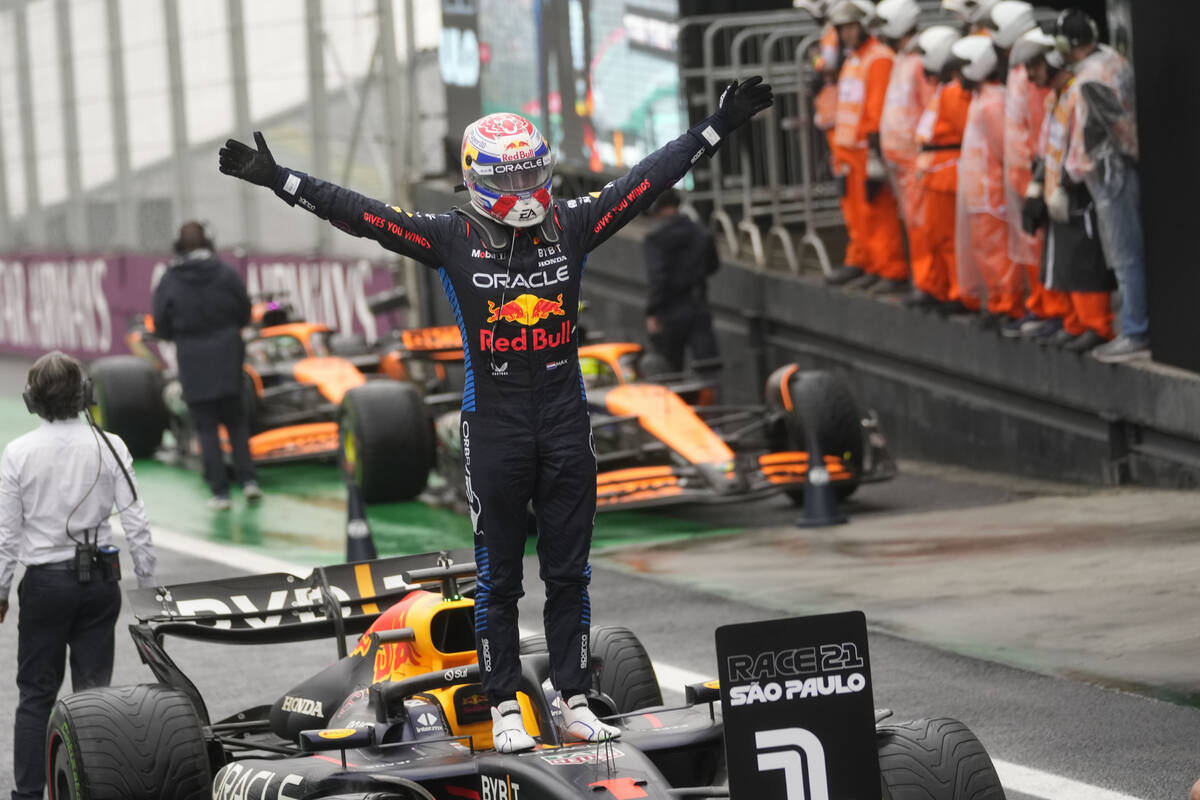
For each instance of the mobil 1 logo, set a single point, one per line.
(798, 710)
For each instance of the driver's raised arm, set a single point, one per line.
(419, 236)
(595, 218)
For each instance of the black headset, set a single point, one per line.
(83, 401)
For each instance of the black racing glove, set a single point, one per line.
(242, 161)
(741, 101)
(1033, 214)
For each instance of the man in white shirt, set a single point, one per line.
(58, 486)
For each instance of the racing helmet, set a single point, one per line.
(978, 56)
(1012, 19)
(896, 17)
(506, 167)
(935, 43)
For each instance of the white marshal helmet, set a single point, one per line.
(960, 7)
(848, 11)
(818, 9)
(1032, 44)
(1012, 19)
(978, 55)
(507, 167)
(934, 43)
(896, 18)
(981, 12)
(972, 11)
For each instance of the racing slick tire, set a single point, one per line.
(935, 759)
(825, 398)
(139, 742)
(385, 440)
(626, 673)
(129, 402)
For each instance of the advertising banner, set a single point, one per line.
(82, 304)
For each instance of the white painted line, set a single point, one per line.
(1053, 787)
(1014, 777)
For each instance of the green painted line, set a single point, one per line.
(303, 512)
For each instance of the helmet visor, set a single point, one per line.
(514, 177)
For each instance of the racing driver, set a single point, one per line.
(510, 263)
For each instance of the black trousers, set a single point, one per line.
(683, 329)
(206, 416)
(56, 613)
(544, 455)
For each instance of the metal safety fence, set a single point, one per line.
(771, 195)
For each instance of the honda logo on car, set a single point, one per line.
(792, 665)
(302, 705)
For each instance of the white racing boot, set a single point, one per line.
(508, 729)
(580, 722)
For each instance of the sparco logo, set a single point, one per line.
(583, 652)
(486, 647)
(801, 757)
(302, 705)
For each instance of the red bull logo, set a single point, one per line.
(527, 339)
(519, 144)
(526, 309)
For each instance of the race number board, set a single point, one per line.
(799, 714)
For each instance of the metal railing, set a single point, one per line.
(771, 194)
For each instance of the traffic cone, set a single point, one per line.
(820, 501)
(360, 546)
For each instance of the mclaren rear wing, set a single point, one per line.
(438, 343)
(334, 600)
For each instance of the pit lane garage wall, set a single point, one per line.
(945, 391)
(81, 303)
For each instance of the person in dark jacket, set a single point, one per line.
(679, 256)
(201, 304)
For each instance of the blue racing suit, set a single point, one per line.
(525, 429)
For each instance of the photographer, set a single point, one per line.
(58, 486)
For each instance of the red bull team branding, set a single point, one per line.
(527, 310)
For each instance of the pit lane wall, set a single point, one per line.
(82, 303)
(945, 391)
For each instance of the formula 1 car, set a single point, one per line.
(309, 393)
(662, 440)
(402, 715)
